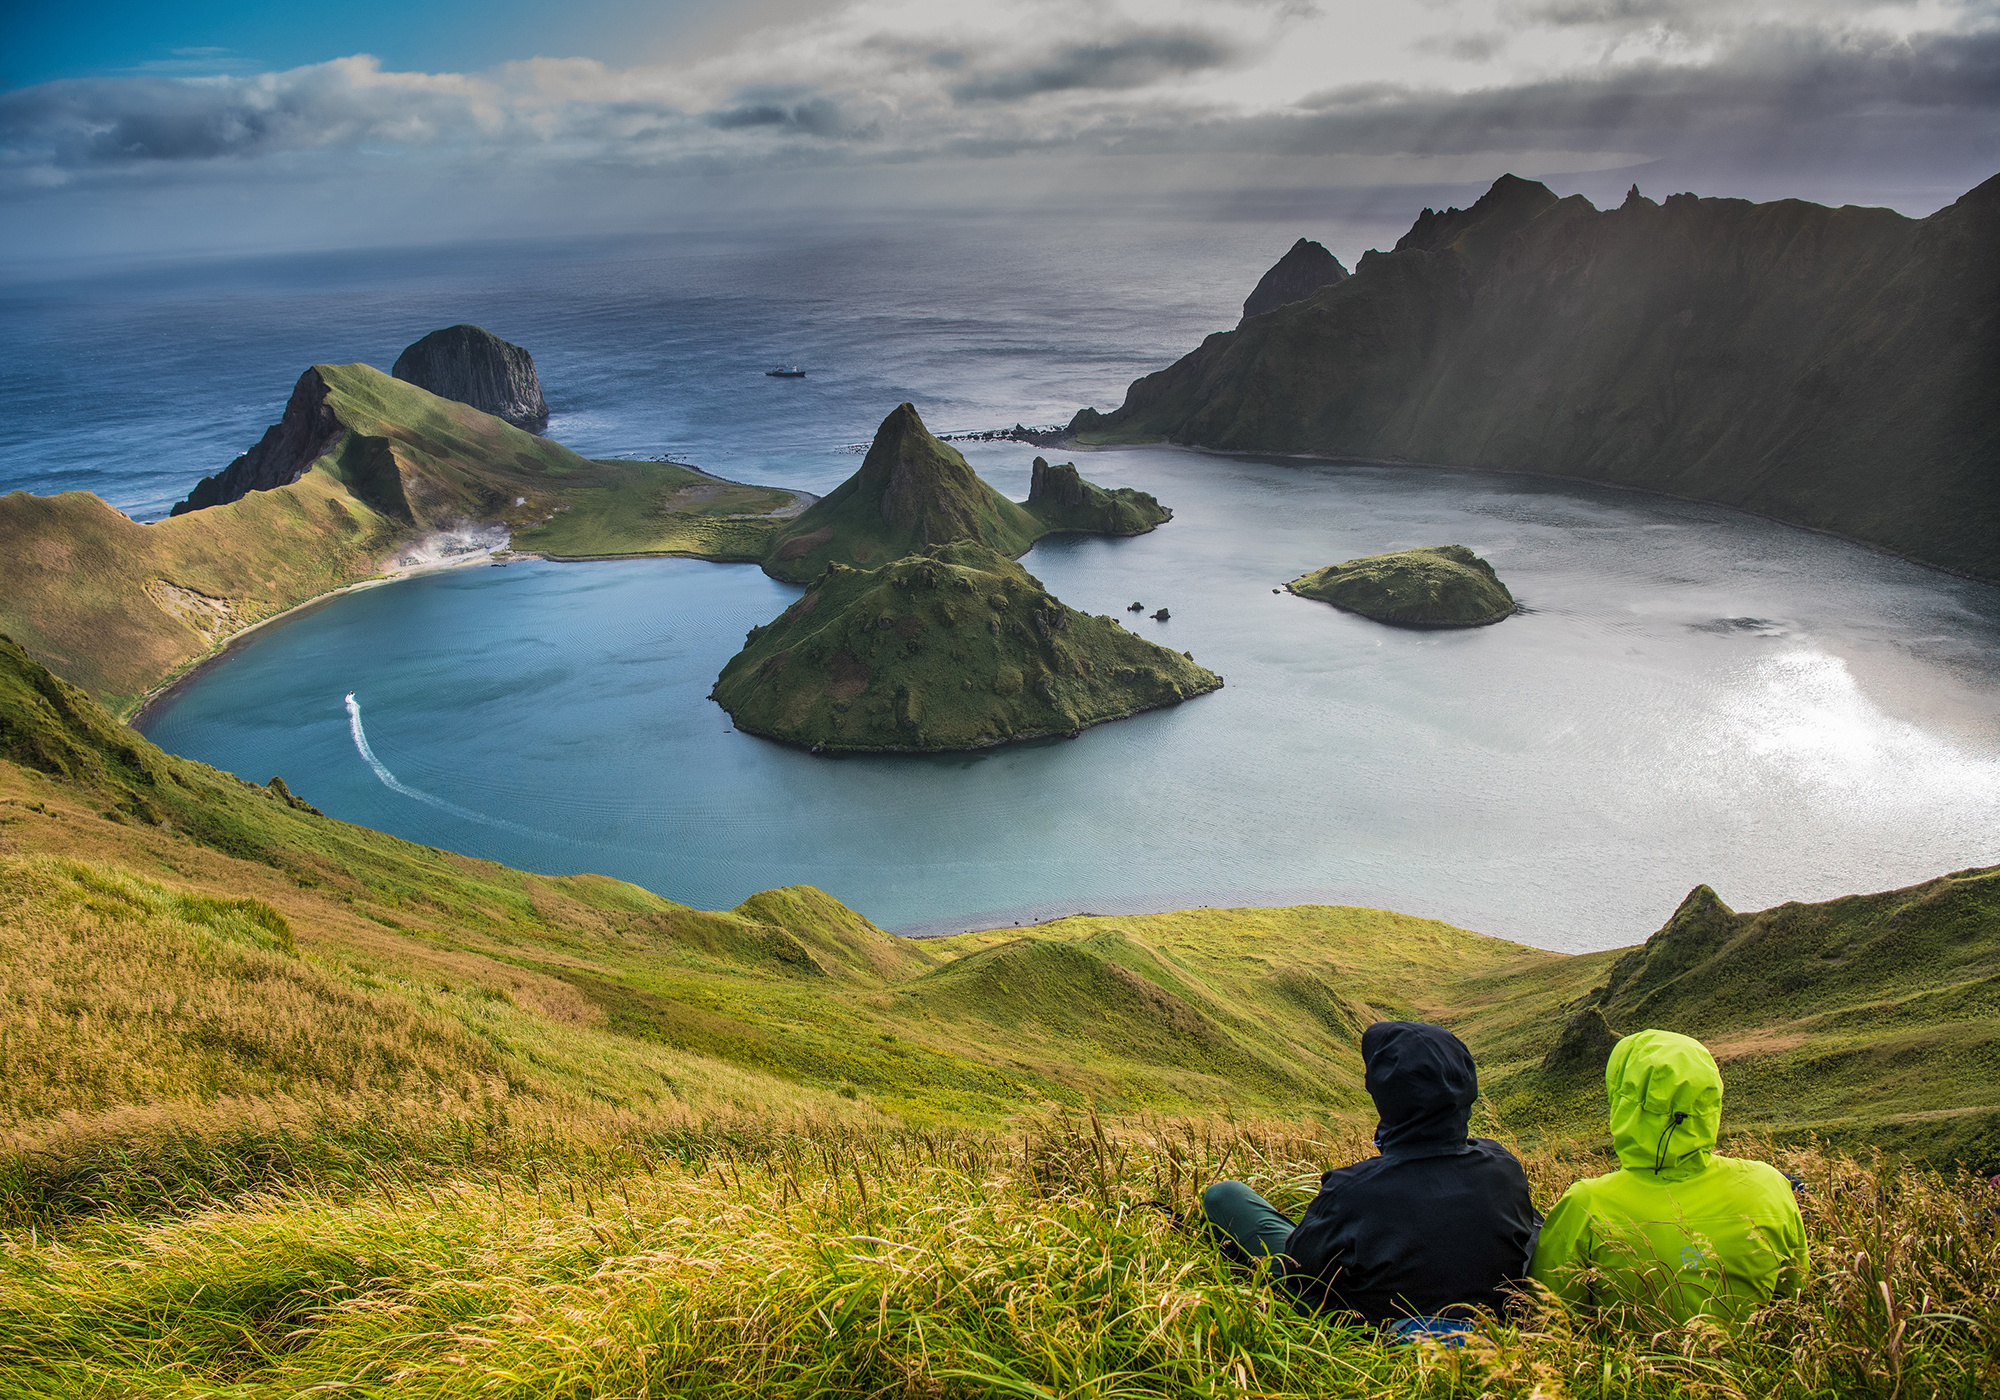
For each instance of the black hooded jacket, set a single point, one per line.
(1438, 1221)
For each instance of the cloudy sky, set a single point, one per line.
(214, 126)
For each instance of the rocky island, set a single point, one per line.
(1832, 368)
(476, 367)
(1443, 585)
(914, 491)
(953, 647)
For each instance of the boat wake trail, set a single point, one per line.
(395, 784)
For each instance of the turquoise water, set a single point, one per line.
(1692, 696)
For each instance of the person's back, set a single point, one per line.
(1677, 1231)
(1437, 1225)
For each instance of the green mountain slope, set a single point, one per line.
(362, 469)
(954, 648)
(1441, 586)
(914, 491)
(1829, 367)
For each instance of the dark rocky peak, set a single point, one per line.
(1635, 200)
(1477, 234)
(474, 366)
(1058, 485)
(307, 431)
(1294, 277)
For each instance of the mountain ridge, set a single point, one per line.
(1825, 367)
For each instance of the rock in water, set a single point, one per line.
(1442, 586)
(956, 647)
(477, 367)
(1294, 277)
(307, 431)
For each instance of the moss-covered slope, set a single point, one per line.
(954, 648)
(361, 466)
(1830, 367)
(1065, 503)
(914, 491)
(1440, 586)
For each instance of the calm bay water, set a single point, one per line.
(1693, 696)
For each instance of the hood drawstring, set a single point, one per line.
(1660, 1151)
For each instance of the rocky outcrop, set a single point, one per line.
(476, 367)
(1061, 499)
(1294, 277)
(307, 431)
(1829, 367)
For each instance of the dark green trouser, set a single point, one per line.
(1245, 1225)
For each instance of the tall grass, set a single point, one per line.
(752, 1255)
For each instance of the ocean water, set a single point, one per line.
(1691, 695)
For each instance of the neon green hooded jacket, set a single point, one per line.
(1678, 1231)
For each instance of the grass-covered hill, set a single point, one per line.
(1829, 367)
(957, 647)
(914, 491)
(289, 1106)
(362, 468)
(1440, 586)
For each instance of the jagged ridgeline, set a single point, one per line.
(957, 647)
(1829, 367)
(914, 491)
(1444, 585)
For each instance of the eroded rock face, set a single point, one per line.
(1062, 500)
(476, 367)
(1294, 277)
(307, 431)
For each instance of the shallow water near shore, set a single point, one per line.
(1690, 695)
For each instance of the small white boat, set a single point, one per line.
(785, 372)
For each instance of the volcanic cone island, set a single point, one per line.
(914, 491)
(956, 647)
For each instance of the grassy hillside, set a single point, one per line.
(119, 607)
(1829, 367)
(914, 491)
(287, 1104)
(1442, 586)
(954, 648)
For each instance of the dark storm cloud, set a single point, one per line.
(1133, 61)
(805, 116)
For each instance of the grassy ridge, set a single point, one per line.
(287, 1103)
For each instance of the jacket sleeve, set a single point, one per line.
(1564, 1250)
(1797, 1265)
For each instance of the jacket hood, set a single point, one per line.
(1666, 1103)
(1423, 1083)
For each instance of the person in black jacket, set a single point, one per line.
(1436, 1226)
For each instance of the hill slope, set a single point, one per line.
(914, 491)
(1829, 367)
(954, 648)
(361, 468)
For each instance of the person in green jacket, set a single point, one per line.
(1678, 1231)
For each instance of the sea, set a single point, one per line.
(1690, 695)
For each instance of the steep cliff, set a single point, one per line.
(1294, 277)
(956, 647)
(1829, 367)
(308, 431)
(476, 367)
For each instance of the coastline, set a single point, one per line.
(156, 699)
